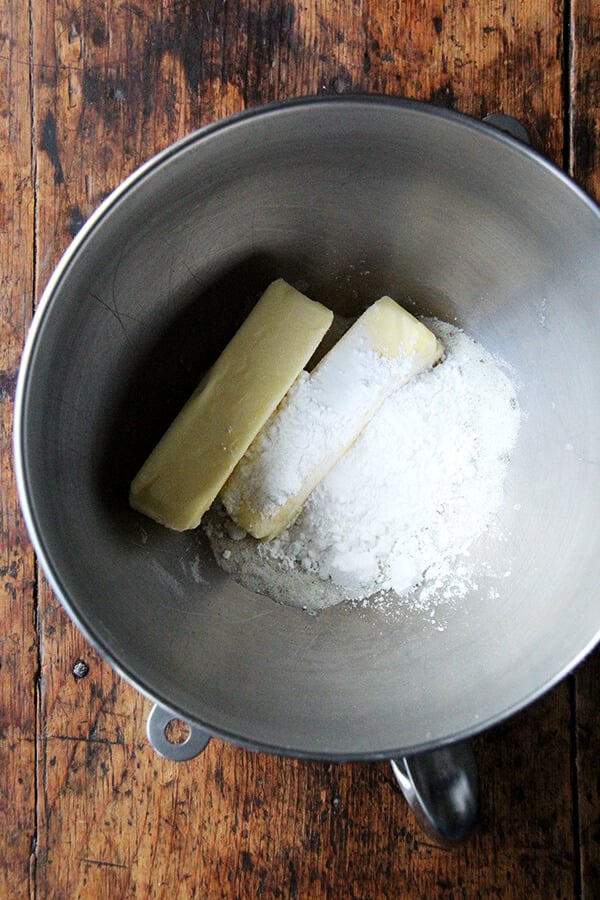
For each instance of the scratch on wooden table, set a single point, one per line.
(103, 862)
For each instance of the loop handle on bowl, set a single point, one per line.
(156, 725)
(441, 787)
(510, 125)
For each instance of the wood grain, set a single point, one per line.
(112, 83)
(584, 87)
(18, 643)
(587, 770)
(119, 820)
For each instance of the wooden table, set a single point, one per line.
(89, 90)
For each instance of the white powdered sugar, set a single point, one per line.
(317, 420)
(398, 512)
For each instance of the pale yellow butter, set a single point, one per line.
(394, 332)
(191, 463)
(323, 414)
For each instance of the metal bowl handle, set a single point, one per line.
(510, 125)
(156, 725)
(441, 787)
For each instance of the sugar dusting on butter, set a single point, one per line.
(397, 514)
(322, 415)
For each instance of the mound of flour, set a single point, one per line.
(403, 505)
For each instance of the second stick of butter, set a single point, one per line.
(323, 414)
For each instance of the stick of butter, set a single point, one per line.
(191, 463)
(323, 414)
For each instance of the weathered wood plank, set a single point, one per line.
(237, 824)
(584, 85)
(480, 58)
(587, 681)
(114, 83)
(18, 639)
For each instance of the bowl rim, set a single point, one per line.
(85, 234)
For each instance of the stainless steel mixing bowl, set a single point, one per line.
(348, 198)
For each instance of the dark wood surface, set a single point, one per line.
(88, 91)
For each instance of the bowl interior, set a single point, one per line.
(348, 201)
